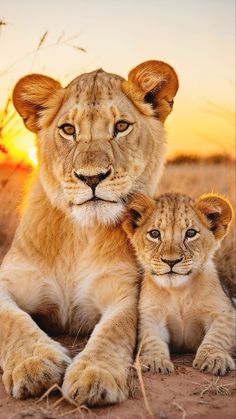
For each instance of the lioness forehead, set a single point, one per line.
(174, 209)
(95, 86)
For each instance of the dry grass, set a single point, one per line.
(62, 40)
(138, 370)
(181, 409)
(215, 387)
(8, 125)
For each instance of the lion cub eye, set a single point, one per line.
(190, 233)
(67, 130)
(121, 126)
(154, 234)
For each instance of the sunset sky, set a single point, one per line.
(195, 36)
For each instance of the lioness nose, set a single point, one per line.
(171, 262)
(92, 181)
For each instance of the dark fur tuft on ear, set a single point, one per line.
(134, 218)
(139, 208)
(152, 83)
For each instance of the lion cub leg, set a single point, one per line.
(153, 339)
(213, 355)
(31, 361)
(154, 353)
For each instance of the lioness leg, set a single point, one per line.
(98, 375)
(31, 361)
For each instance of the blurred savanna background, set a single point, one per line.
(63, 39)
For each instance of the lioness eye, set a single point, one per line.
(154, 234)
(121, 126)
(67, 129)
(191, 233)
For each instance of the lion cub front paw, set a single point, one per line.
(213, 361)
(94, 385)
(156, 363)
(37, 371)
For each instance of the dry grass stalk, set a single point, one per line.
(78, 408)
(41, 41)
(61, 40)
(181, 409)
(7, 125)
(58, 388)
(216, 388)
(138, 369)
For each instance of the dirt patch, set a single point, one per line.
(186, 393)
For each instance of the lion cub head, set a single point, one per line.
(100, 138)
(174, 236)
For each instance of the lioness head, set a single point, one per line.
(100, 138)
(175, 236)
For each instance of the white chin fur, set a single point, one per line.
(100, 212)
(171, 281)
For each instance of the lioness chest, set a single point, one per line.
(77, 294)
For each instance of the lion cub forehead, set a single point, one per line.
(95, 86)
(174, 208)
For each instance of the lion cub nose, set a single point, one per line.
(92, 181)
(171, 262)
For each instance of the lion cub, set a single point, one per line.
(182, 304)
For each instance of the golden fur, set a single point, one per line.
(70, 265)
(182, 304)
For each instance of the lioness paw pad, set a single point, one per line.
(93, 385)
(35, 374)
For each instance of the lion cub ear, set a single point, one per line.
(138, 210)
(33, 94)
(217, 211)
(152, 83)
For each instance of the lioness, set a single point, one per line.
(182, 304)
(100, 139)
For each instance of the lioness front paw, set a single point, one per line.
(156, 363)
(93, 384)
(213, 361)
(35, 373)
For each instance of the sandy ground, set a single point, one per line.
(187, 393)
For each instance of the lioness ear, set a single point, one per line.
(152, 83)
(33, 94)
(217, 211)
(140, 207)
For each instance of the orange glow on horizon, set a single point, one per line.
(21, 150)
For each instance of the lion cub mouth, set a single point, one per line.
(172, 273)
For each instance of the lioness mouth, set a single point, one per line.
(95, 199)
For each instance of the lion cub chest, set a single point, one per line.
(183, 324)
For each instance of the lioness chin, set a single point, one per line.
(100, 139)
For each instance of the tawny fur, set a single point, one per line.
(182, 305)
(70, 265)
